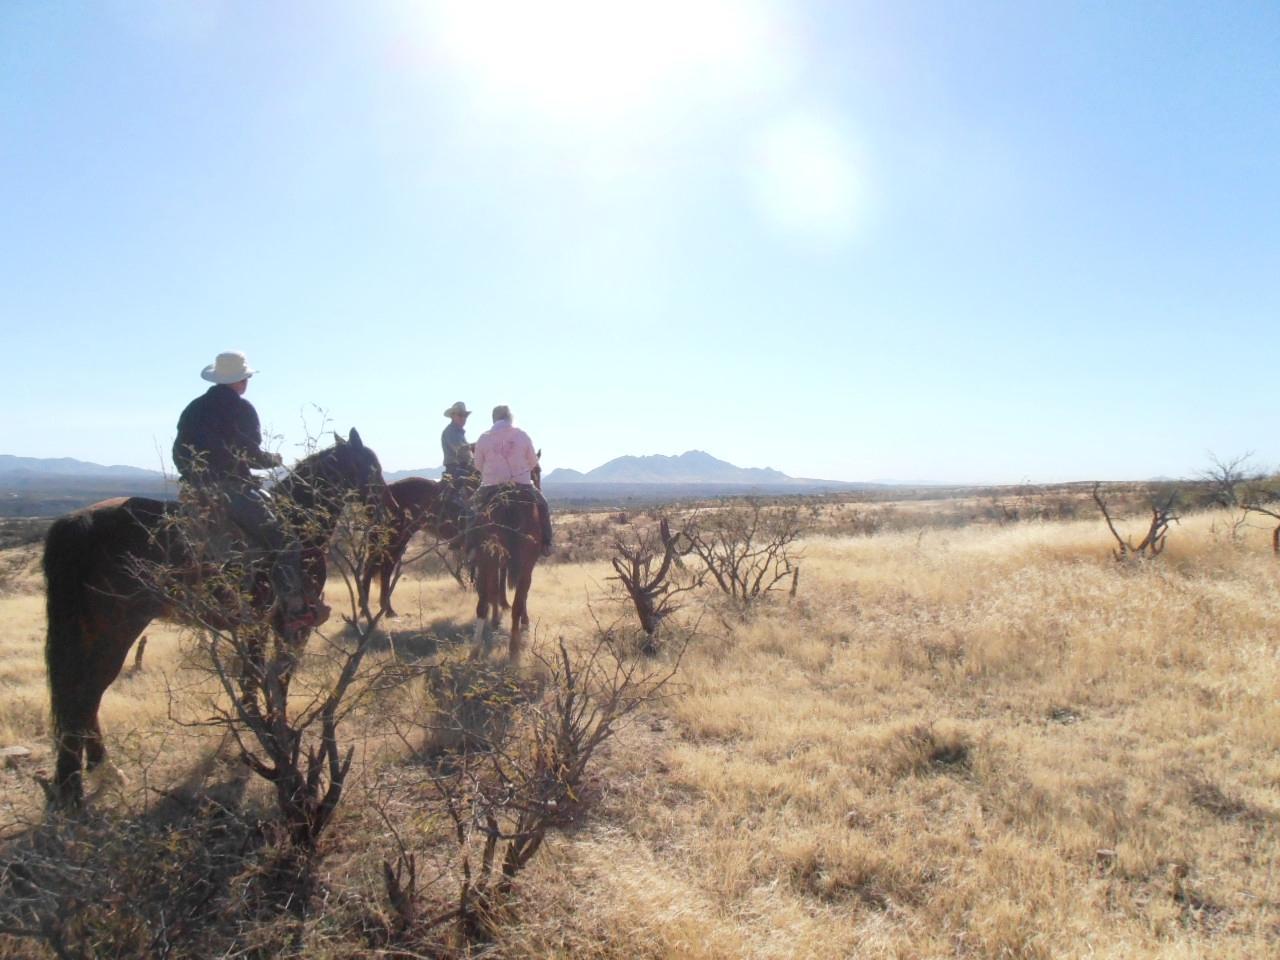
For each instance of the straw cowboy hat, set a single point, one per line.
(230, 367)
(459, 409)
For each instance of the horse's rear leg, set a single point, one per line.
(80, 697)
(80, 748)
(384, 585)
(363, 587)
(488, 613)
(112, 654)
(482, 612)
(519, 615)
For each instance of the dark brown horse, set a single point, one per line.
(416, 504)
(100, 596)
(507, 540)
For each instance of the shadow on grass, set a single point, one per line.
(182, 870)
(422, 643)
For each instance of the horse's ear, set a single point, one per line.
(539, 453)
(354, 439)
(337, 440)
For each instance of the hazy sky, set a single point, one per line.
(918, 241)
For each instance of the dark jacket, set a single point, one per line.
(219, 439)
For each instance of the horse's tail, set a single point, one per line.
(67, 562)
(519, 516)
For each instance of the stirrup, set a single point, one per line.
(302, 621)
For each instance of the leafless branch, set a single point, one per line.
(1153, 542)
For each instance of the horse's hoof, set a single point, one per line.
(59, 796)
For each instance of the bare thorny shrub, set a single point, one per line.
(1226, 479)
(1163, 503)
(285, 726)
(749, 547)
(648, 565)
(1232, 484)
(515, 767)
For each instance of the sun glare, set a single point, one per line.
(594, 62)
(608, 77)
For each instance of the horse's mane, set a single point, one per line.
(310, 478)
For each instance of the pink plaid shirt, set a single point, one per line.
(505, 453)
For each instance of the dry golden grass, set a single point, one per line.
(979, 742)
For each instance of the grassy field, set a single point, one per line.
(955, 741)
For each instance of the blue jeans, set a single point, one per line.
(250, 510)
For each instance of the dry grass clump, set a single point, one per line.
(1016, 717)
(982, 741)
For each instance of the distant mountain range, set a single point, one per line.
(39, 487)
(692, 467)
(32, 486)
(26, 471)
(11, 466)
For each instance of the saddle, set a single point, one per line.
(491, 503)
(214, 543)
(208, 531)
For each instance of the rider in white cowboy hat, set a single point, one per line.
(458, 461)
(460, 478)
(219, 442)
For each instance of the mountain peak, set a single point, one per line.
(692, 466)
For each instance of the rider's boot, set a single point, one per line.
(296, 614)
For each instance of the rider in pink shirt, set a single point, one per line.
(505, 454)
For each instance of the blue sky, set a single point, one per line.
(916, 241)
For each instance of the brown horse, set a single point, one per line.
(99, 597)
(507, 539)
(416, 504)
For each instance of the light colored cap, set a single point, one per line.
(459, 409)
(501, 412)
(230, 367)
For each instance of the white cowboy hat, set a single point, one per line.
(459, 409)
(230, 367)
